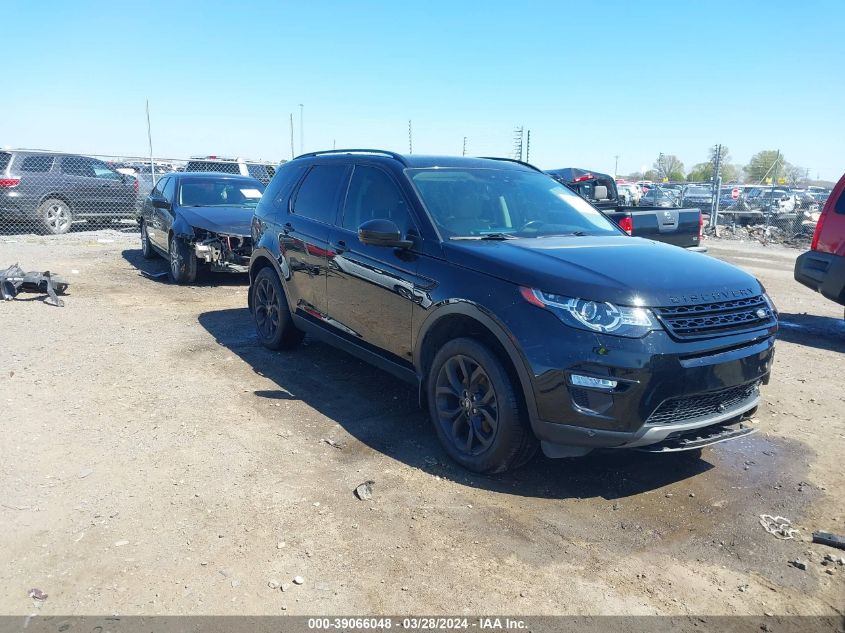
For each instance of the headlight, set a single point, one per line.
(596, 316)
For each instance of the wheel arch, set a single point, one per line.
(466, 319)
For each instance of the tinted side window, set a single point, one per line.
(169, 189)
(840, 204)
(318, 195)
(374, 195)
(162, 182)
(280, 188)
(4, 160)
(38, 164)
(77, 166)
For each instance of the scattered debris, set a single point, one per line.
(14, 280)
(37, 594)
(331, 443)
(298, 580)
(280, 545)
(84, 473)
(273, 583)
(779, 527)
(365, 491)
(800, 564)
(743, 588)
(121, 543)
(832, 540)
(236, 583)
(144, 273)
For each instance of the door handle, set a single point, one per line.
(287, 228)
(339, 246)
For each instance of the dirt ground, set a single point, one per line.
(155, 459)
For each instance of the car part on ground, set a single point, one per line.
(14, 280)
(521, 314)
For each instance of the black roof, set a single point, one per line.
(421, 161)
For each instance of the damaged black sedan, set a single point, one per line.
(200, 220)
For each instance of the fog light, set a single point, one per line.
(590, 381)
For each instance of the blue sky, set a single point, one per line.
(591, 80)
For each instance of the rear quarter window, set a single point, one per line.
(4, 160)
(37, 164)
(318, 195)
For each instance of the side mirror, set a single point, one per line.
(161, 203)
(382, 232)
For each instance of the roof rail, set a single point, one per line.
(513, 160)
(384, 152)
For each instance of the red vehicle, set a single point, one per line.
(822, 268)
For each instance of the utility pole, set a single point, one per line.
(616, 167)
(518, 135)
(301, 129)
(528, 147)
(776, 167)
(292, 151)
(150, 141)
(410, 138)
(464, 153)
(717, 186)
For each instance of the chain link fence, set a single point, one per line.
(51, 193)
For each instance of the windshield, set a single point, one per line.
(478, 202)
(211, 192)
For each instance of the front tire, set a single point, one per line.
(477, 410)
(271, 313)
(147, 250)
(56, 216)
(183, 263)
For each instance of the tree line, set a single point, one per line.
(767, 166)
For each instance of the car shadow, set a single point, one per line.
(156, 270)
(381, 412)
(810, 330)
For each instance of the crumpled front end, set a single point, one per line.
(223, 253)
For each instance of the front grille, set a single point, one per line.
(716, 319)
(706, 404)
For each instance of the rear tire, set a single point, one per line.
(271, 312)
(183, 263)
(477, 409)
(56, 216)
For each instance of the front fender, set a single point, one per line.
(182, 228)
(488, 320)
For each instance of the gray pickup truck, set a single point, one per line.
(672, 225)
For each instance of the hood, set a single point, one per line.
(623, 270)
(226, 220)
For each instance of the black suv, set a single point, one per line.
(54, 190)
(520, 311)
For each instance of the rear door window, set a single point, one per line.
(101, 170)
(77, 166)
(840, 204)
(318, 195)
(169, 190)
(37, 164)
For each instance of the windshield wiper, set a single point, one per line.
(488, 236)
(575, 233)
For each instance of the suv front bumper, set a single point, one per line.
(657, 397)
